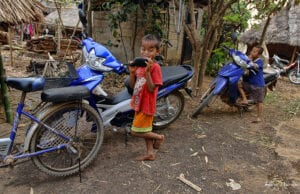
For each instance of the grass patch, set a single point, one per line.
(271, 98)
(293, 107)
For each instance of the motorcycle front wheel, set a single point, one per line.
(168, 109)
(205, 100)
(294, 77)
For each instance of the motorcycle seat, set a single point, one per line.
(277, 58)
(269, 77)
(284, 60)
(65, 94)
(26, 84)
(172, 74)
(121, 96)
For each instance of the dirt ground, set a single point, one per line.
(220, 152)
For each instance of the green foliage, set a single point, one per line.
(156, 21)
(120, 11)
(123, 10)
(237, 18)
(215, 62)
(235, 22)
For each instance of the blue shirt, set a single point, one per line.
(257, 79)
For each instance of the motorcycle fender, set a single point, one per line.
(111, 112)
(221, 83)
(165, 91)
(35, 125)
(88, 77)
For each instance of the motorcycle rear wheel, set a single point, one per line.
(205, 100)
(168, 109)
(293, 77)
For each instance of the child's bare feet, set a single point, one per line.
(150, 157)
(157, 143)
(244, 102)
(258, 120)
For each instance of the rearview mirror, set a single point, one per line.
(82, 15)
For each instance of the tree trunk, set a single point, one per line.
(202, 48)
(196, 61)
(4, 92)
(89, 19)
(263, 34)
(207, 49)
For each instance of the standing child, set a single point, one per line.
(145, 81)
(255, 83)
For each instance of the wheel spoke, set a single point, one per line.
(168, 110)
(86, 141)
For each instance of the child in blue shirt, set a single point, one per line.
(254, 83)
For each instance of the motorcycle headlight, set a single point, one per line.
(240, 62)
(94, 62)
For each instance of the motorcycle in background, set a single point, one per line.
(225, 84)
(292, 70)
(279, 63)
(294, 73)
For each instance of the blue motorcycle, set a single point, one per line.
(225, 84)
(116, 110)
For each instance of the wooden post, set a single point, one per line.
(10, 46)
(4, 92)
(22, 33)
(58, 36)
(293, 55)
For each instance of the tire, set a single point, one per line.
(205, 100)
(87, 139)
(168, 109)
(293, 77)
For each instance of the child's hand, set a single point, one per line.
(131, 68)
(149, 63)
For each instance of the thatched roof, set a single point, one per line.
(283, 29)
(69, 18)
(20, 11)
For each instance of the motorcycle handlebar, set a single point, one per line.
(225, 47)
(126, 71)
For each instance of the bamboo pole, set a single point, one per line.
(70, 40)
(4, 91)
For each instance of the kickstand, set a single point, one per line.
(241, 111)
(127, 134)
(126, 137)
(79, 172)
